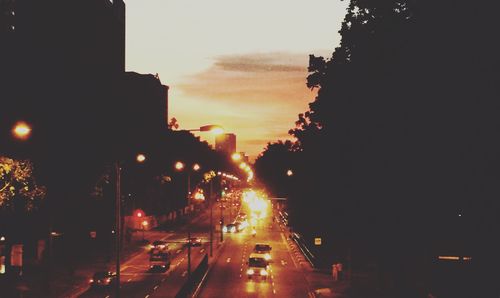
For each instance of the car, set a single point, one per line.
(102, 279)
(258, 266)
(159, 245)
(194, 241)
(230, 228)
(264, 249)
(159, 262)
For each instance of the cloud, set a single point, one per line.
(257, 96)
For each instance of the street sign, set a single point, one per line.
(317, 241)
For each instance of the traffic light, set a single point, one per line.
(139, 213)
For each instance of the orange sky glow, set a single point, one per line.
(239, 64)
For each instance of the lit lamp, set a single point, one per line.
(21, 130)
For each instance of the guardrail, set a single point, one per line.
(197, 275)
(303, 248)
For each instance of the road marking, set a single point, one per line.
(155, 288)
(283, 262)
(202, 250)
(228, 260)
(241, 269)
(274, 291)
(129, 279)
(179, 251)
(184, 273)
(146, 296)
(107, 296)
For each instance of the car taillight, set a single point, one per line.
(263, 272)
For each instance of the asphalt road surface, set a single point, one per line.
(228, 276)
(138, 281)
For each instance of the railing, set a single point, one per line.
(196, 277)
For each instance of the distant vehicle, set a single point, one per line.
(257, 266)
(159, 261)
(324, 292)
(102, 279)
(194, 241)
(230, 228)
(264, 249)
(159, 245)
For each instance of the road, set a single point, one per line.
(138, 281)
(228, 275)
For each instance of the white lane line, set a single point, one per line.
(179, 251)
(228, 260)
(107, 296)
(146, 296)
(202, 250)
(184, 273)
(129, 279)
(155, 288)
(274, 291)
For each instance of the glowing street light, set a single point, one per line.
(215, 129)
(196, 167)
(289, 173)
(236, 156)
(140, 158)
(179, 166)
(21, 130)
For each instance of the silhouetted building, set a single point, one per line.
(144, 104)
(226, 143)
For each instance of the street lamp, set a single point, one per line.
(144, 224)
(179, 166)
(213, 128)
(236, 156)
(139, 158)
(21, 130)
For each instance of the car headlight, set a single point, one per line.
(224, 229)
(267, 257)
(91, 280)
(250, 271)
(263, 272)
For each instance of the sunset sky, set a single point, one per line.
(240, 64)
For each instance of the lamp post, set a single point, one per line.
(179, 166)
(118, 225)
(139, 158)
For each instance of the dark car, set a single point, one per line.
(263, 248)
(194, 241)
(103, 279)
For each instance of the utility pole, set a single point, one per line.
(118, 226)
(210, 201)
(189, 255)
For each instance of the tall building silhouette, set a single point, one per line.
(226, 143)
